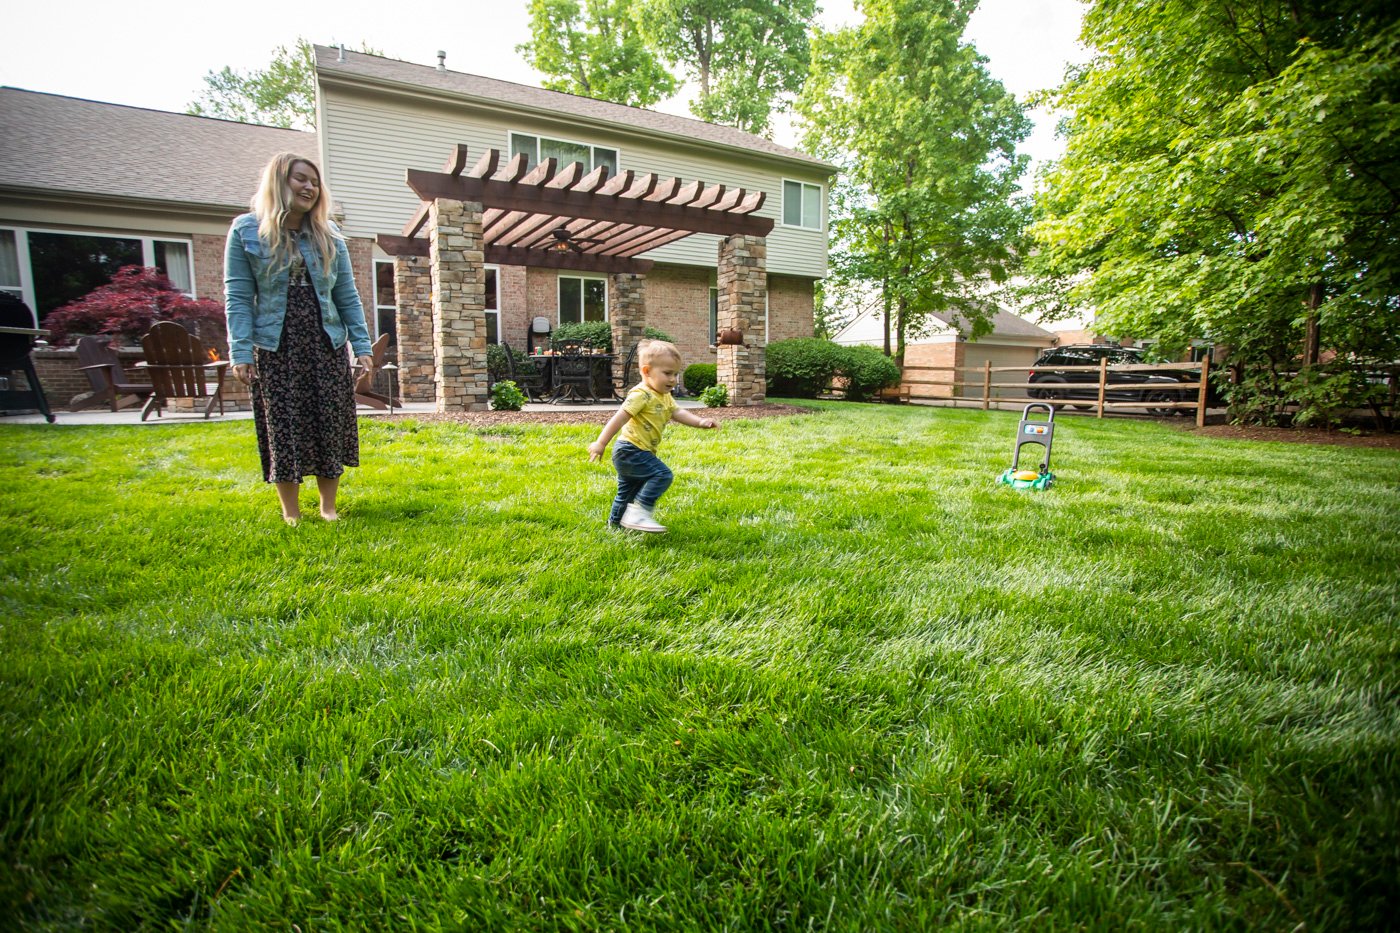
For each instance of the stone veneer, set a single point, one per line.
(627, 312)
(459, 305)
(743, 293)
(413, 296)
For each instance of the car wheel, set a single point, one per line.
(1156, 399)
(1052, 390)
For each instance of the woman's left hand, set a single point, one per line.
(365, 364)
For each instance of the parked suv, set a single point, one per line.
(1151, 388)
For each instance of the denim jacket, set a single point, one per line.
(255, 294)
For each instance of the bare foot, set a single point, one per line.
(331, 516)
(292, 519)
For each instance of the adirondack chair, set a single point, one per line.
(110, 385)
(17, 333)
(365, 393)
(178, 366)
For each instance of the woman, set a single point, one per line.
(291, 303)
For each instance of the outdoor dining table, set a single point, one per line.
(600, 366)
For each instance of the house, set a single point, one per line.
(88, 187)
(928, 357)
(379, 118)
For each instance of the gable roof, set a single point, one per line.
(65, 145)
(359, 67)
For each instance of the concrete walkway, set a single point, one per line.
(133, 415)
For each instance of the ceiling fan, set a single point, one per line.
(564, 241)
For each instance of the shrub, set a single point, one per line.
(867, 370)
(651, 333)
(125, 308)
(716, 396)
(802, 367)
(506, 396)
(596, 334)
(699, 377)
(496, 363)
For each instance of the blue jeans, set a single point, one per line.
(641, 478)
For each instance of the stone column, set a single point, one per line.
(743, 292)
(413, 328)
(459, 305)
(628, 314)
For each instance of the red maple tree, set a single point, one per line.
(136, 298)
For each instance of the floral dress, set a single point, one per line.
(304, 394)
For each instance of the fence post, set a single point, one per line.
(1103, 380)
(986, 384)
(1201, 395)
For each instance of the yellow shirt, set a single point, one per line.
(650, 411)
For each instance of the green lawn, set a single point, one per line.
(859, 686)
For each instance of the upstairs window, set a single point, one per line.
(802, 205)
(539, 148)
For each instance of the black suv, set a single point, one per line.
(1142, 385)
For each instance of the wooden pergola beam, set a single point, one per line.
(399, 246)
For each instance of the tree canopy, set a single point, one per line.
(746, 56)
(926, 209)
(595, 49)
(282, 94)
(1232, 174)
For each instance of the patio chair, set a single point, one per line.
(573, 376)
(365, 393)
(530, 374)
(110, 385)
(179, 365)
(631, 374)
(17, 333)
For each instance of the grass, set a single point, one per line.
(859, 686)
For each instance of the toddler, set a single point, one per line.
(641, 476)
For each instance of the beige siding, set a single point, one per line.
(369, 140)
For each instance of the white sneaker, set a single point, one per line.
(637, 518)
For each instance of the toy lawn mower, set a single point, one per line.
(1032, 431)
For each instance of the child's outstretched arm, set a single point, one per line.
(605, 436)
(685, 416)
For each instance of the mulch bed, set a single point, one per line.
(1246, 432)
(487, 419)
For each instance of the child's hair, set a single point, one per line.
(649, 351)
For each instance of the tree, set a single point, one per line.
(282, 94)
(595, 50)
(926, 208)
(126, 307)
(1232, 174)
(745, 55)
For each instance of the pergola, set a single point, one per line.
(568, 219)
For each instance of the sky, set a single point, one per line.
(155, 53)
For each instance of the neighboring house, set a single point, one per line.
(379, 117)
(87, 187)
(1014, 341)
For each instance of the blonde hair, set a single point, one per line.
(649, 351)
(272, 203)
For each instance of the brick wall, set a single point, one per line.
(209, 266)
(790, 307)
(925, 384)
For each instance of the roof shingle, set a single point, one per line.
(495, 92)
(70, 145)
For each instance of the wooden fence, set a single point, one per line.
(977, 387)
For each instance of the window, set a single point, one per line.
(49, 268)
(539, 148)
(802, 205)
(582, 299)
(493, 305)
(10, 265)
(386, 306)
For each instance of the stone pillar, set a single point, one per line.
(743, 291)
(627, 312)
(413, 328)
(459, 305)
